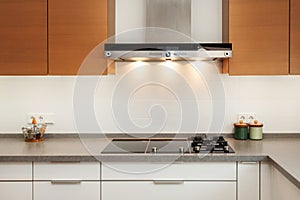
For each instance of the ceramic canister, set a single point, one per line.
(241, 131)
(256, 132)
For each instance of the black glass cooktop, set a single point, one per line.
(197, 144)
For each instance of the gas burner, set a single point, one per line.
(215, 145)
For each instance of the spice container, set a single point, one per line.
(256, 131)
(241, 130)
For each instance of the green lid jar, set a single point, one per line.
(241, 131)
(256, 131)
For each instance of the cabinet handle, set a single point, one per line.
(65, 182)
(249, 162)
(168, 182)
(64, 162)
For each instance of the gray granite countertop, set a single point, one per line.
(282, 152)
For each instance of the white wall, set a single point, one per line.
(206, 20)
(274, 99)
(130, 17)
(142, 89)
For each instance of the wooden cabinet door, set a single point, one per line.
(75, 28)
(23, 37)
(295, 37)
(259, 33)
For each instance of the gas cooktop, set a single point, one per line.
(197, 144)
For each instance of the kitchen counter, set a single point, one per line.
(282, 152)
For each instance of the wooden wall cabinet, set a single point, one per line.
(259, 32)
(23, 37)
(53, 37)
(75, 28)
(295, 37)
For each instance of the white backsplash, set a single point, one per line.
(274, 98)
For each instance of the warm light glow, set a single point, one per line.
(169, 63)
(139, 63)
(134, 59)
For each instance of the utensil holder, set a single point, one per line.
(34, 133)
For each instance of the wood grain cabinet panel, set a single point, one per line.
(259, 32)
(75, 28)
(23, 37)
(295, 37)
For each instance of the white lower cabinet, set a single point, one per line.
(225, 171)
(176, 190)
(15, 181)
(16, 190)
(248, 180)
(275, 186)
(176, 181)
(66, 181)
(147, 181)
(64, 190)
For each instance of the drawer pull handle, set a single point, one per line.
(249, 162)
(64, 162)
(65, 182)
(168, 182)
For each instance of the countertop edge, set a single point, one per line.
(134, 158)
(141, 135)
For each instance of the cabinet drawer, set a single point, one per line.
(67, 171)
(81, 191)
(147, 190)
(16, 191)
(167, 171)
(16, 171)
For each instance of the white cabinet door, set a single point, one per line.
(248, 181)
(183, 171)
(66, 191)
(66, 171)
(15, 190)
(16, 171)
(275, 186)
(150, 190)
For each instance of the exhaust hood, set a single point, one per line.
(175, 44)
(167, 51)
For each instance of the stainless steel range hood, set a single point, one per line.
(161, 45)
(167, 51)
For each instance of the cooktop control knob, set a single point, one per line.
(226, 149)
(196, 149)
(154, 149)
(181, 150)
(168, 54)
